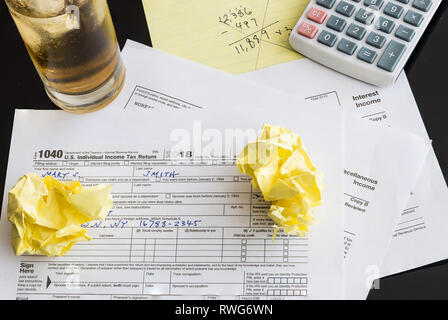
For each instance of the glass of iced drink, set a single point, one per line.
(73, 46)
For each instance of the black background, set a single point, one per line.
(426, 70)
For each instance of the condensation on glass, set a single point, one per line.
(74, 49)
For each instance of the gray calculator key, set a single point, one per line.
(385, 25)
(364, 16)
(345, 8)
(367, 55)
(393, 53)
(393, 10)
(403, 1)
(405, 33)
(327, 38)
(347, 46)
(376, 40)
(326, 3)
(413, 18)
(336, 23)
(423, 5)
(374, 3)
(356, 31)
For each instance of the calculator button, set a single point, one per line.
(393, 10)
(393, 53)
(347, 47)
(423, 5)
(405, 33)
(307, 30)
(316, 15)
(327, 38)
(356, 0)
(326, 3)
(413, 18)
(367, 55)
(376, 40)
(374, 3)
(403, 1)
(336, 23)
(364, 16)
(385, 25)
(356, 31)
(345, 8)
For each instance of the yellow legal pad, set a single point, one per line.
(233, 36)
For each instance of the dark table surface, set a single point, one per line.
(427, 71)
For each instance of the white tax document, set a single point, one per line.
(185, 222)
(420, 236)
(373, 188)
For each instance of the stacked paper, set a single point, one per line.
(185, 222)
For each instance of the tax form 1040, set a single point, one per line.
(185, 222)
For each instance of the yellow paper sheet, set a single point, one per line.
(47, 214)
(233, 36)
(284, 173)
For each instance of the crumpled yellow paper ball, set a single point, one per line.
(47, 214)
(282, 170)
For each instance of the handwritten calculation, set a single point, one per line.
(253, 30)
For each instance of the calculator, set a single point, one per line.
(370, 40)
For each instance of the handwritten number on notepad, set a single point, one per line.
(241, 25)
(250, 32)
(251, 42)
(234, 14)
(246, 24)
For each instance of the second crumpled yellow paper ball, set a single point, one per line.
(281, 168)
(47, 214)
